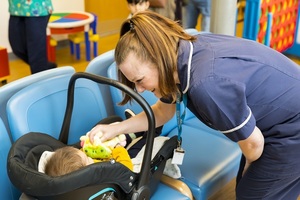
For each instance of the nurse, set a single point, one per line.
(244, 89)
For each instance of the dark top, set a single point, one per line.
(237, 84)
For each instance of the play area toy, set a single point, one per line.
(272, 23)
(4, 66)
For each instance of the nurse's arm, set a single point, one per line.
(253, 146)
(163, 112)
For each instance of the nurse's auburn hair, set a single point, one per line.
(153, 38)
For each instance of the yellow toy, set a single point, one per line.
(101, 150)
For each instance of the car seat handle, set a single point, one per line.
(142, 187)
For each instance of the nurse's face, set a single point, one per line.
(143, 74)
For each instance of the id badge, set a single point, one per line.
(178, 156)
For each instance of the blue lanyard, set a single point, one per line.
(180, 117)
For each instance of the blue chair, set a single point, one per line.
(99, 66)
(40, 107)
(192, 31)
(7, 190)
(11, 88)
(210, 161)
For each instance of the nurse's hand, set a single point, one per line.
(103, 132)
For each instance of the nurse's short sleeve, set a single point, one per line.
(222, 103)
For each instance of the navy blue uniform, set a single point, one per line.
(237, 84)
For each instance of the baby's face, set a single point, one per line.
(85, 158)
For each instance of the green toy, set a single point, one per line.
(101, 150)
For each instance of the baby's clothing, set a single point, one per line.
(120, 154)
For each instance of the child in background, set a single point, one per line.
(137, 5)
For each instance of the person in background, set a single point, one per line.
(194, 9)
(27, 32)
(168, 10)
(136, 6)
(244, 89)
(142, 5)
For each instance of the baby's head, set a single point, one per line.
(65, 160)
(137, 5)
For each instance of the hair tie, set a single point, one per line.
(127, 26)
(131, 25)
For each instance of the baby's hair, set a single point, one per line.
(136, 1)
(63, 161)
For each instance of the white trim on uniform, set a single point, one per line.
(189, 69)
(241, 125)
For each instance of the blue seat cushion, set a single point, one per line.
(7, 190)
(41, 106)
(210, 161)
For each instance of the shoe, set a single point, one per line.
(129, 113)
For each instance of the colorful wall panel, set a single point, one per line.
(271, 22)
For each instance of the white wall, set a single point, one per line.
(57, 4)
(4, 16)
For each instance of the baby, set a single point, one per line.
(68, 159)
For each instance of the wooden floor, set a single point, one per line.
(226, 193)
(19, 69)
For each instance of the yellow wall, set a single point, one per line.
(107, 9)
(111, 14)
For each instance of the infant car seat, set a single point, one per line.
(105, 180)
